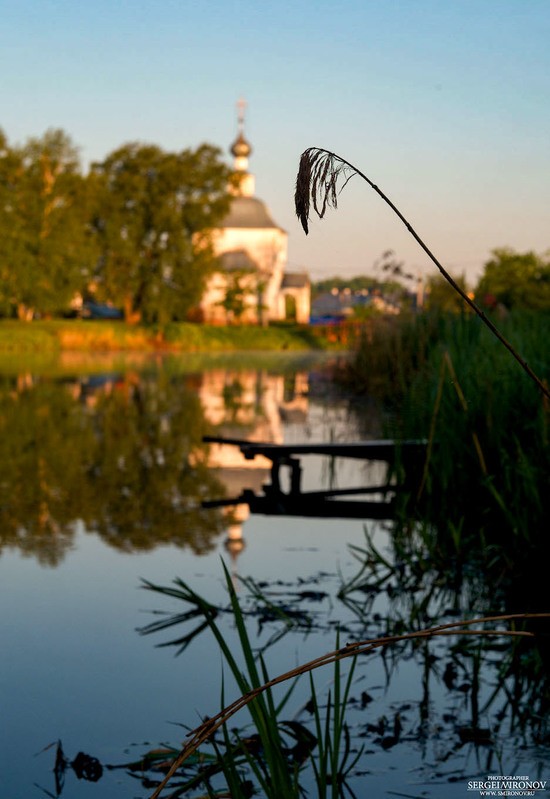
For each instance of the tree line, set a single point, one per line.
(510, 280)
(135, 230)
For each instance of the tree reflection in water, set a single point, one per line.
(122, 454)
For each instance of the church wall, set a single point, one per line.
(267, 247)
(214, 313)
(302, 298)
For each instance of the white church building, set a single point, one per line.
(253, 285)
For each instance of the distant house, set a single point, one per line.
(338, 305)
(252, 284)
(330, 306)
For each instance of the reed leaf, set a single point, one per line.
(267, 726)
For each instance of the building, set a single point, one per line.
(253, 284)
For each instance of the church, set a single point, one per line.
(252, 285)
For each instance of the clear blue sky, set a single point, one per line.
(445, 104)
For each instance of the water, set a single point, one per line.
(101, 478)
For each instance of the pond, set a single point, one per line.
(103, 476)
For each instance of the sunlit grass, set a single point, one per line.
(104, 336)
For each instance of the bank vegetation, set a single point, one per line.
(50, 336)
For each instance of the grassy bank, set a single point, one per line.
(103, 336)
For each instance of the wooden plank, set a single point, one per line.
(384, 450)
(306, 504)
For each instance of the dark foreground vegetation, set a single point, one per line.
(479, 519)
(486, 477)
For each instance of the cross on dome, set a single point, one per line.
(241, 148)
(241, 108)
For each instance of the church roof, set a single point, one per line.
(248, 212)
(294, 280)
(237, 260)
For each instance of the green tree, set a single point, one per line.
(236, 300)
(9, 168)
(46, 242)
(155, 216)
(515, 280)
(441, 296)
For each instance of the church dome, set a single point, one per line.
(240, 147)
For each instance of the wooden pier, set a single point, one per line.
(404, 460)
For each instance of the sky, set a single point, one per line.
(444, 104)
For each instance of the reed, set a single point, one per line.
(390, 352)
(487, 465)
(489, 469)
(278, 750)
(488, 474)
(275, 766)
(322, 175)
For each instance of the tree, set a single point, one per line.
(515, 280)
(9, 167)
(46, 241)
(241, 286)
(154, 220)
(443, 297)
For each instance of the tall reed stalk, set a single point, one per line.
(317, 181)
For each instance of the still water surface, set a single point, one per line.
(102, 474)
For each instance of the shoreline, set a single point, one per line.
(56, 336)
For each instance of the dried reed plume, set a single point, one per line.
(317, 178)
(319, 173)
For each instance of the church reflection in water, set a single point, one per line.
(263, 470)
(253, 406)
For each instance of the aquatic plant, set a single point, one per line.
(422, 581)
(489, 473)
(317, 184)
(278, 750)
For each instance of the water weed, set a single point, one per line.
(277, 753)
